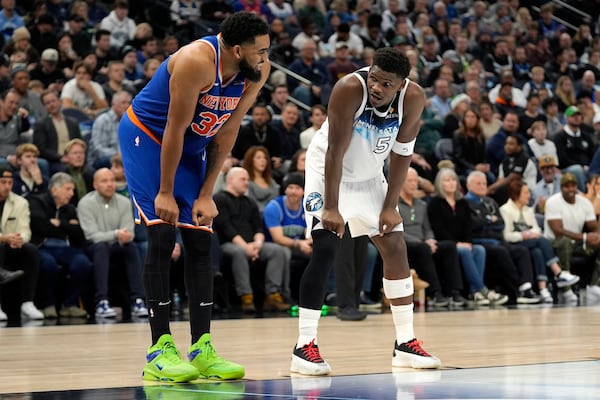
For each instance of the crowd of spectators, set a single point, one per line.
(512, 97)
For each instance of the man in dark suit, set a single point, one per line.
(52, 133)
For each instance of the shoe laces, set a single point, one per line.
(209, 352)
(170, 352)
(415, 345)
(311, 352)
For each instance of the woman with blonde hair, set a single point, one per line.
(520, 226)
(262, 187)
(450, 218)
(565, 93)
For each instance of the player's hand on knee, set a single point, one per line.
(204, 210)
(166, 207)
(332, 221)
(388, 220)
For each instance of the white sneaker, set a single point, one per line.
(3, 316)
(307, 360)
(139, 309)
(546, 296)
(565, 278)
(29, 311)
(412, 355)
(480, 299)
(104, 310)
(496, 298)
(593, 295)
(568, 298)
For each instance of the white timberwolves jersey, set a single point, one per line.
(373, 136)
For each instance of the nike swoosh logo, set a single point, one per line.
(203, 304)
(164, 303)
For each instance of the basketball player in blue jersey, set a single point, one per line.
(374, 113)
(174, 139)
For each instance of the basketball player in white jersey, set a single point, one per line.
(373, 113)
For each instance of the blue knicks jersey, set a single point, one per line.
(213, 106)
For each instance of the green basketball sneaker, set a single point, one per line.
(204, 357)
(165, 363)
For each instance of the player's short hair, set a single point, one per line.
(392, 60)
(243, 27)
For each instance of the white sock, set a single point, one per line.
(308, 322)
(403, 321)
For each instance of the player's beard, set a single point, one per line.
(249, 73)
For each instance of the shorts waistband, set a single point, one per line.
(135, 120)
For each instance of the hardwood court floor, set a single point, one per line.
(53, 358)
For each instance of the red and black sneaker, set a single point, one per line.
(411, 355)
(307, 360)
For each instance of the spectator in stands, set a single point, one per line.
(575, 146)
(318, 115)
(516, 166)
(283, 11)
(67, 57)
(130, 62)
(262, 188)
(14, 123)
(452, 120)
(55, 230)
(52, 133)
(120, 26)
(507, 78)
(469, 147)
(96, 12)
(536, 82)
(508, 265)
(28, 99)
(184, 15)
(28, 179)
(593, 192)
(116, 81)
(495, 146)
(499, 60)
(375, 37)
(10, 20)
(539, 144)
(429, 58)
(150, 67)
(565, 93)
(259, 132)
(107, 222)
(450, 219)
(435, 262)
(21, 42)
(47, 72)
(341, 65)
(490, 121)
(314, 71)
(103, 51)
(216, 10)
(286, 226)
(548, 185)
(531, 114)
(240, 229)
(256, 7)
(441, 101)
(279, 98)
(549, 27)
(104, 142)
(312, 10)
(15, 249)
(82, 176)
(567, 216)
(353, 41)
(554, 120)
(82, 41)
(82, 93)
(288, 131)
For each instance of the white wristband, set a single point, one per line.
(404, 149)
